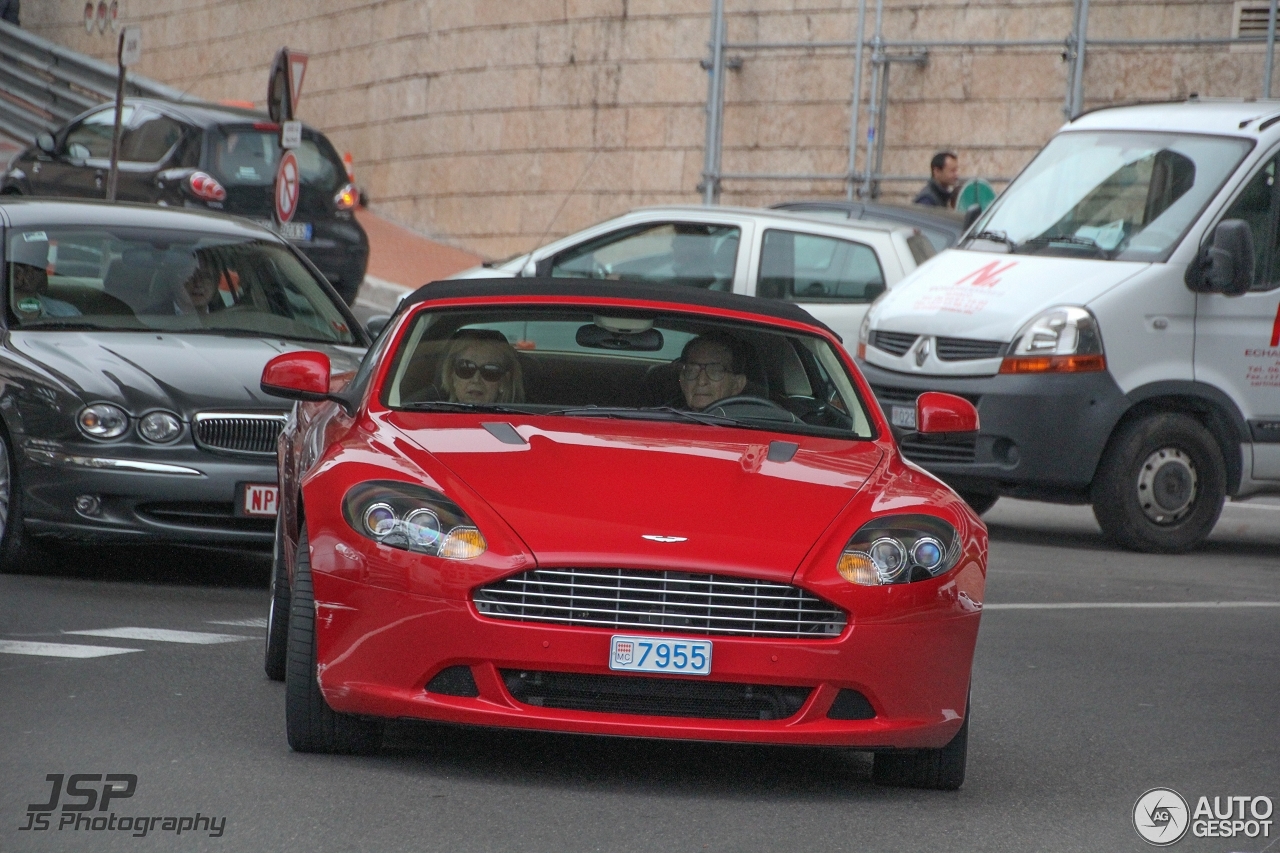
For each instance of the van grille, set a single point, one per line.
(894, 343)
(965, 349)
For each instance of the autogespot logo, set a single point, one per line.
(1160, 817)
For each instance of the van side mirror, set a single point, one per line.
(45, 143)
(971, 214)
(1228, 262)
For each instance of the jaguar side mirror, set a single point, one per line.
(45, 143)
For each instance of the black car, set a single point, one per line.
(133, 344)
(941, 227)
(208, 157)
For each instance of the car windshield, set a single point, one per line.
(599, 362)
(248, 157)
(1112, 195)
(130, 279)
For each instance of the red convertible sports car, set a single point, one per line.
(619, 509)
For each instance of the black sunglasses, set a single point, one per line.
(465, 369)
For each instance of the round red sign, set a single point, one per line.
(287, 186)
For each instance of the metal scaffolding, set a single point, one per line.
(884, 53)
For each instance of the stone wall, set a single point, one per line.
(500, 124)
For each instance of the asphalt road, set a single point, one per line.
(1077, 712)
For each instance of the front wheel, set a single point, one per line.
(978, 501)
(310, 724)
(15, 551)
(939, 769)
(1160, 485)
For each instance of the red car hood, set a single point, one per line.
(599, 492)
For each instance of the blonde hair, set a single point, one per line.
(511, 388)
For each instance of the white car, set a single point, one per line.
(832, 269)
(1115, 316)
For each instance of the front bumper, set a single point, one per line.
(378, 649)
(183, 497)
(1041, 436)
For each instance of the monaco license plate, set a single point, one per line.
(259, 500)
(300, 231)
(660, 654)
(903, 416)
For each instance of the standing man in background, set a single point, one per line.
(944, 179)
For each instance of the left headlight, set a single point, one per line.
(899, 549)
(103, 420)
(412, 518)
(160, 427)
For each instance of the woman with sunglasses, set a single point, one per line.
(480, 367)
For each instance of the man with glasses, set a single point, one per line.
(712, 367)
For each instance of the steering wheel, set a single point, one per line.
(750, 400)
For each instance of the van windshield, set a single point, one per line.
(1114, 195)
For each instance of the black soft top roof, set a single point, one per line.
(588, 289)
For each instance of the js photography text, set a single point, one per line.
(84, 791)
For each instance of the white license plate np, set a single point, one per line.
(260, 500)
(660, 654)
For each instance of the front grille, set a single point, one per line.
(967, 349)
(953, 450)
(660, 601)
(894, 343)
(248, 433)
(654, 697)
(208, 514)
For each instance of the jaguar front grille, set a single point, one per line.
(238, 432)
(660, 601)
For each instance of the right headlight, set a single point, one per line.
(103, 421)
(412, 518)
(899, 549)
(1061, 340)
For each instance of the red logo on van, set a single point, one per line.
(1275, 329)
(987, 275)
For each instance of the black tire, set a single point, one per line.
(1160, 485)
(16, 554)
(310, 724)
(979, 502)
(939, 769)
(277, 651)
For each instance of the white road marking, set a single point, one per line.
(1265, 507)
(59, 650)
(256, 622)
(1133, 605)
(163, 636)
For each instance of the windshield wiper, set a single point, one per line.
(1069, 239)
(660, 413)
(996, 237)
(74, 325)
(455, 406)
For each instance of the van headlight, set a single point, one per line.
(412, 518)
(899, 549)
(1061, 340)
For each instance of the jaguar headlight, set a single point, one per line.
(412, 518)
(159, 427)
(899, 549)
(103, 421)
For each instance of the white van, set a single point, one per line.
(1115, 316)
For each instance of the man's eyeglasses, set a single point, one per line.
(715, 371)
(465, 369)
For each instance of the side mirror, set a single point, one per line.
(1228, 267)
(944, 414)
(971, 214)
(45, 143)
(376, 324)
(301, 376)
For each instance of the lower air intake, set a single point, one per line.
(654, 697)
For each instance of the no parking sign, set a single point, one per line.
(287, 186)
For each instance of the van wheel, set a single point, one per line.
(310, 724)
(1161, 484)
(979, 502)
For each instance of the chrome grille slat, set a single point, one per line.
(660, 601)
(968, 349)
(249, 433)
(894, 343)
